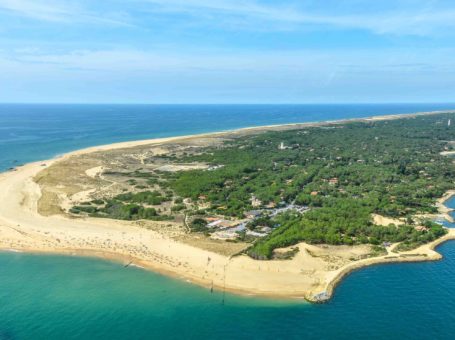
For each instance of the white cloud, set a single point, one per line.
(165, 76)
(404, 20)
(203, 61)
(396, 17)
(60, 12)
(43, 10)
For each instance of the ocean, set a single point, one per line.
(55, 297)
(36, 132)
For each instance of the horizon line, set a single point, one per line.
(233, 104)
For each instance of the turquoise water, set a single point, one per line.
(451, 204)
(55, 297)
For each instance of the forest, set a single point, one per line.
(343, 172)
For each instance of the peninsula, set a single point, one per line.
(282, 211)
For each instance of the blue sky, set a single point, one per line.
(226, 51)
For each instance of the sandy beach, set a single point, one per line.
(306, 276)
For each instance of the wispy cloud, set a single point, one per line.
(401, 18)
(60, 12)
(134, 60)
(43, 10)
(417, 19)
(135, 75)
(195, 49)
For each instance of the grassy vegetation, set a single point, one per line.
(287, 255)
(128, 206)
(143, 197)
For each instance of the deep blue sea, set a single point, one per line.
(58, 297)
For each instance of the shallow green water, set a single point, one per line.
(57, 297)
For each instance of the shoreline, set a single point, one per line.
(126, 260)
(430, 254)
(251, 129)
(20, 193)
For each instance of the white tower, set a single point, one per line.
(448, 122)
